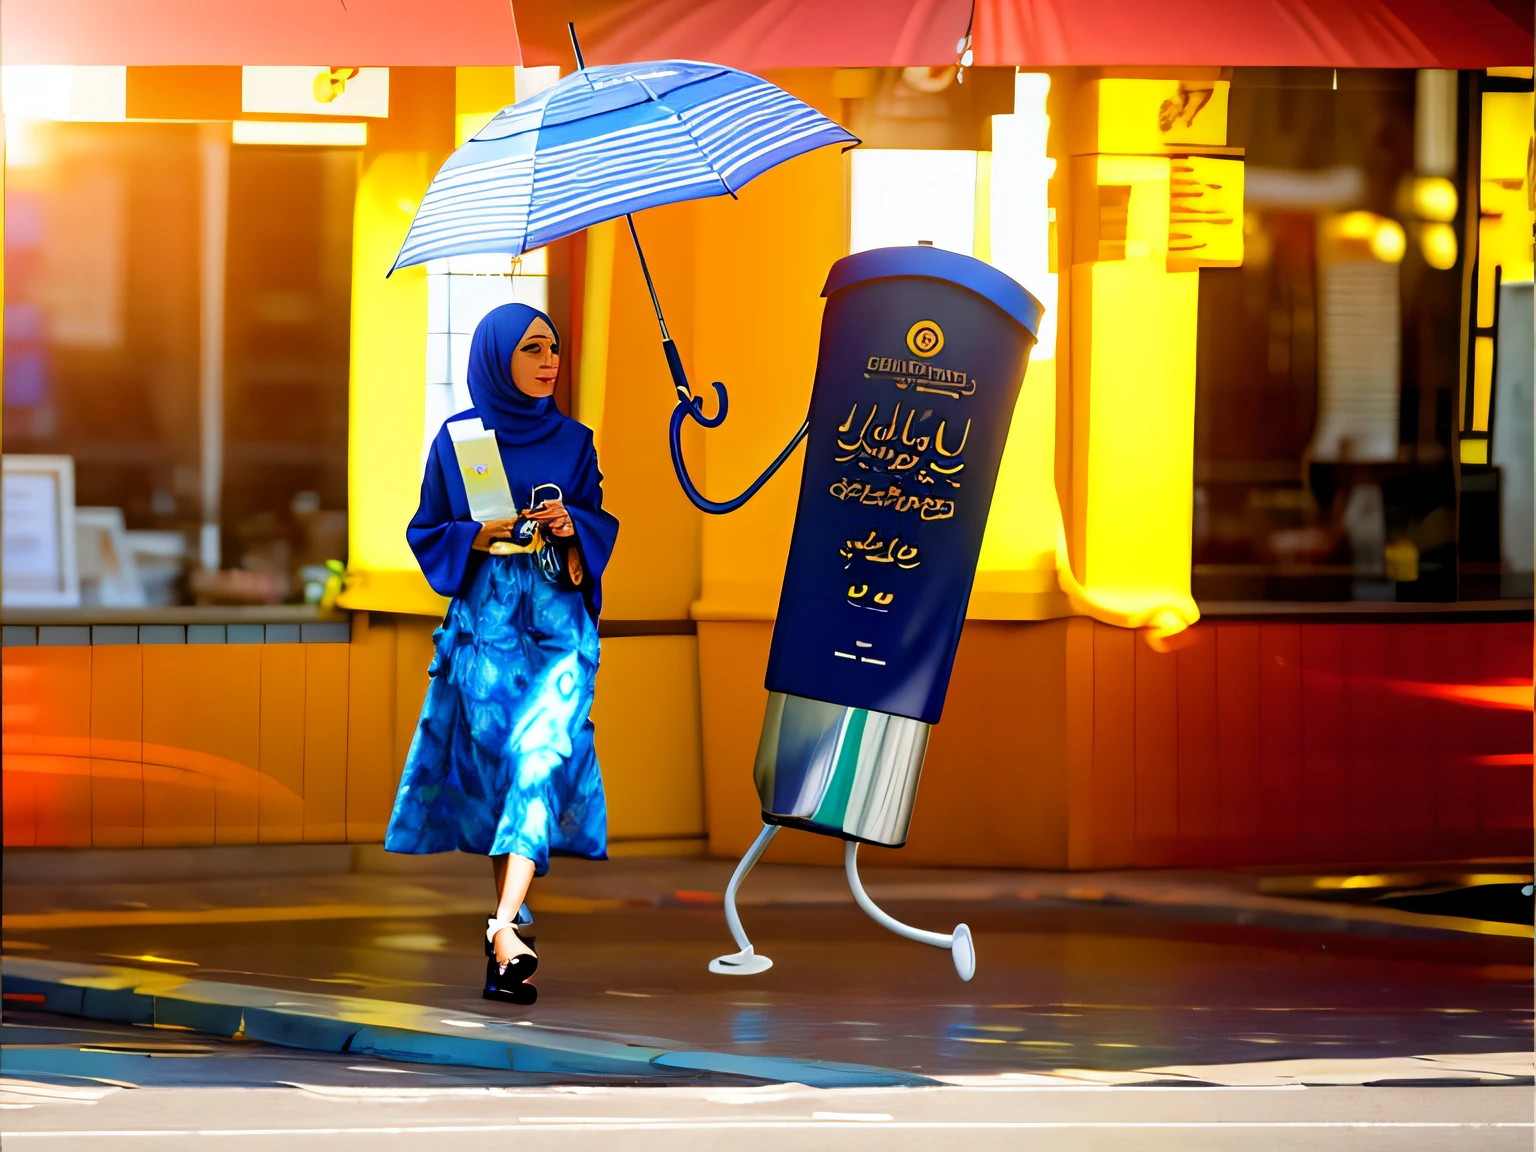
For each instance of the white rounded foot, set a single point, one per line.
(963, 952)
(743, 963)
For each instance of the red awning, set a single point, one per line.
(1275, 33)
(332, 32)
(763, 34)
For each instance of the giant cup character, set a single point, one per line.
(922, 355)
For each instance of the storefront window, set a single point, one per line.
(135, 251)
(1343, 422)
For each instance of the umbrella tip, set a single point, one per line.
(570, 26)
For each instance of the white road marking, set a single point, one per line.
(619, 1123)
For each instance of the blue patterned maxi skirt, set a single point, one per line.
(503, 759)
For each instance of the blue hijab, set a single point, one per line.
(517, 417)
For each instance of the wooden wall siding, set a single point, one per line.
(1315, 743)
(326, 685)
(372, 770)
(280, 800)
(47, 766)
(1070, 744)
(117, 746)
(193, 744)
(1064, 744)
(202, 724)
(174, 745)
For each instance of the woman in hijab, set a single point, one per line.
(502, 763)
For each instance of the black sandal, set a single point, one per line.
(509, 984)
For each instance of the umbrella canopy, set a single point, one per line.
(604, 142)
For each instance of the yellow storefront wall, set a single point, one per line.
(1100, 457)
(316, 734)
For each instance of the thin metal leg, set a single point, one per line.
(745, 962)
(962, 948)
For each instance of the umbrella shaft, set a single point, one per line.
(645, 269)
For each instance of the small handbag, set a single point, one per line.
(551, 552)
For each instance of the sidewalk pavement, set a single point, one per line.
(50, 889)
(384, 1028)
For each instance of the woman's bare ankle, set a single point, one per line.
(508, 944)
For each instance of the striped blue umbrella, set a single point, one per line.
(604, 142)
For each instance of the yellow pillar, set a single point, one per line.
(1157, 195)
(389, 345)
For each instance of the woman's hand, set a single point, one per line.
(492, 531)
(552, 515)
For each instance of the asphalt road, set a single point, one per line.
(748, 1120)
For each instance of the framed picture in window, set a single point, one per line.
(39, 535)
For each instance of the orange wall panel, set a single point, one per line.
(325, 742)
(280, 799)
(1157, 757)
(1368, 739)
(117, 746)
(202, 709)
(995, 785)
(180, 808)
(1279, 739)
(20, 804)
(732, 699)
(1410, 802)
(1112, 796)
(1237, 735)
(1199, 754)
(47, 693)
(371, 771)
(645, 714)
(413, 656)
(1323, 708)
(62, 799)
(1077, 730)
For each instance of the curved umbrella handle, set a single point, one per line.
(691, 407)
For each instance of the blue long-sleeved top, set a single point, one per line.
(442, 533)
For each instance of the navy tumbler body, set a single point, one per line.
(922, 356)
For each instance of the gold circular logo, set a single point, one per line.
(925, 338)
